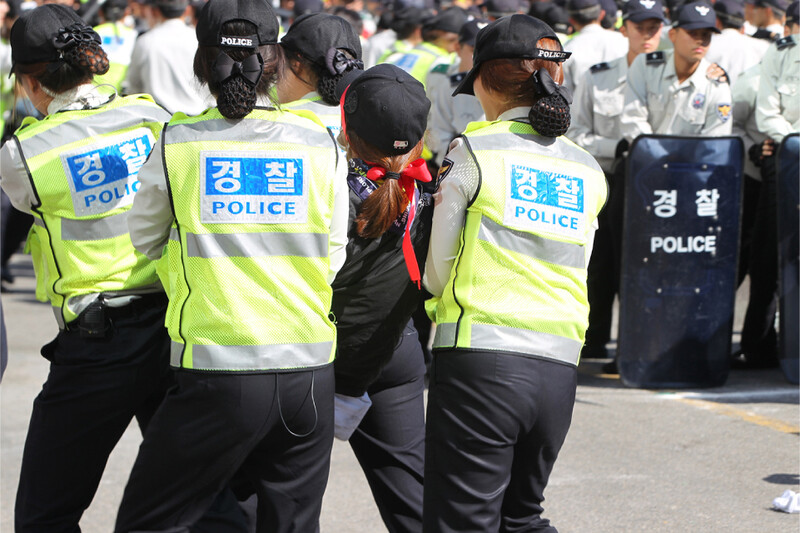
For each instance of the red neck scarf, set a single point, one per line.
(416, 171)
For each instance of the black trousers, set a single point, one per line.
(390, 441)
(602, 281)
(759, 338)
(94, 388)
(495, 425)
(274, 428)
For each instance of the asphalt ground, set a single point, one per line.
(699, 460)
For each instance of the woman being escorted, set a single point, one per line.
(512, 234)
(248, 206)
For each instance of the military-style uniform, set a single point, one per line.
(735, 52)
(596, 110)
(778, 104)
(656, 102)
(449, 114)
(590, 46)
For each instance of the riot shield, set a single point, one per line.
(680, 243)
(788, 181)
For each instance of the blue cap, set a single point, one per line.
(579, 5)
(780, 5)
(696, 16)
(730, 12)
(639, 10)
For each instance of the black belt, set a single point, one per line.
(97, 320)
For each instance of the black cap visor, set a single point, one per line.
(465, 87)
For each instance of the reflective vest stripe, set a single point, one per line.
(507, 339)
(250, 130)
(75, 129)
(557, 148)
(216, 357)
(211, 245)
(94, 229)
(532, 245)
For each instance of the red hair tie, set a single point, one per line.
(416, 171)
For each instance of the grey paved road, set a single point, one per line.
(635, 461)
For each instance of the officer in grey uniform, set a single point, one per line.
(777, 115)
(450, 114)
(669, 92)
(595, 127)
(732, 49)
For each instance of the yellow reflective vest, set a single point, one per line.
(83, 166)
(419, 60)
(248, 256)
(518, 283)
(118, 42)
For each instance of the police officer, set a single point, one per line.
(76, 172)
(246, 207)
(451, 114)
(407, 26)
(439, 41)
(319, 49)
(507, 268)
(592, 43)
(380, 369)
(731, 49)
(596, 127)
(670, 92)
(118, 41)
(769, 16)
(777, 115)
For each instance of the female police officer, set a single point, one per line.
(512, 234)
(380, 369)
(76, 172)
(249, 210)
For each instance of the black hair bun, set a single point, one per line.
(550, 116)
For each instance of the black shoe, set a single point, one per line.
(594, 352)
(611, 368)
(6, 276)
(742, 360)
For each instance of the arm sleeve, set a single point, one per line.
(440, 125)
(581, 132)
(768, 101)
(150, 219)
(337, 242)
(450, 202)
(742, 101)
(133, 83)
(715, 125)
(634, 119)
(14, 177)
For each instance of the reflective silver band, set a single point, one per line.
(246, 130)
(533, 144)
(521, 341)
(535, 246)
(95, 229)
(258, 357)
(39, 222)
(98, 123)
(59, 318)
(256, 244)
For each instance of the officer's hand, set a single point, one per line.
(758, 152)
(767, 148)
(717, 73)
(622, 149)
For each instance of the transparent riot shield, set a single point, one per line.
(680, 242)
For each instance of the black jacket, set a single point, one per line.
(373, 296)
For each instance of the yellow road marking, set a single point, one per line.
(727, 410)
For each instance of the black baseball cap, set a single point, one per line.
(449, 20)
(576, 6)
(696, 16)
(514, 36)
(553, 14)
(34, 34)
(303, 7)
(793, 12)
(639, 10)
(216, 13)
(386, 107)
(469, 31)
(730, 11)
(314, 34)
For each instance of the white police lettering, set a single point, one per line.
(648, 4)
(544, 198)
(237, 41)
(703, 10)
(253, 187)
(665, 205)
(550, 54)
(697, 244)
(104, 176)
(707, 202)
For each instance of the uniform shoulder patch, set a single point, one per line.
(441, 68)
(786, 42)
(444, 170)
(655, 58)
(455, 79)
(724, 112)
(599, 67)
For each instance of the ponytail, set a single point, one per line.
(385, 205)
(338, 62)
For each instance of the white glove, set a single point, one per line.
(348, 411)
